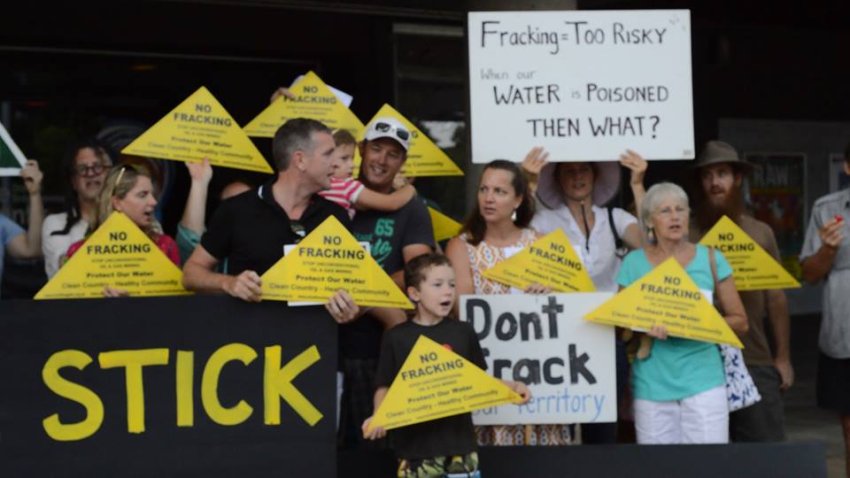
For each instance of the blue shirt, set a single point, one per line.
(8, 231)
(677, 368)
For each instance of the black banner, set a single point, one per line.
(178, 386)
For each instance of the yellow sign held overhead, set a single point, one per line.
(313, 99)
(550, 261)
(666, 296)
(424, 158)
(444, 226)
(119, 255)
(753, 268)
(327, 260)
(199, 128)
(454, 385)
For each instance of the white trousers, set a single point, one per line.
(701, 418)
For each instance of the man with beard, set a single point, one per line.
(826, 257)
(395, 238)
(721, 173)
(86, 165)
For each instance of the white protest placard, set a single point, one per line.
(586, 85)
(568, 363)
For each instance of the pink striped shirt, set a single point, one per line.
(344, 192)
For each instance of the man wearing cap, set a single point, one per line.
(251, 229)
(395, 238)
(826, 257)
(721, 174)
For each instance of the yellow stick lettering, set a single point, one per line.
(133, 361)
(72, 391)
(277, 382)
(209, 385)
(184, 382)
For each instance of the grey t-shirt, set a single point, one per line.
(835, 324)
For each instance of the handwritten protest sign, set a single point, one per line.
(435, 382)
(549, 261)
(118, 254)
(666, 296)
(753, 268)
(11, 157)
(542, 341)
(585, 85)
(313, 99)
(199, 128)
(327, 260)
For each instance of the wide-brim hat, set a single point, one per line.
(716, 152)
(606, 182)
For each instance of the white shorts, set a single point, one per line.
(700, 418)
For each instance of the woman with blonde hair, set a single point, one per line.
(129, 190)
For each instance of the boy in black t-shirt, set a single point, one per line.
(445, 446)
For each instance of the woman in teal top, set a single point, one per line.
(679, 388)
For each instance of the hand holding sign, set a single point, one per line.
(342, 307)
(246, 286)
(32, 176)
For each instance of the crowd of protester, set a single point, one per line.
(673, 386)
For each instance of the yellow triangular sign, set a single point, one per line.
(666, 296)
(327, 260)
(200, 128)
(454, 384)
(424, 158)
(444, 226)
(313, 99)
(753, 268)
(119, 255)
(550, 261)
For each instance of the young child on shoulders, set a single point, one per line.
(444, 446)
(349, 192)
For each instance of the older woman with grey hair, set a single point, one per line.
(679, 388)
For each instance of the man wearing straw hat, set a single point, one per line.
(721, 173)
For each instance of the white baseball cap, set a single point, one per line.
(388, 127)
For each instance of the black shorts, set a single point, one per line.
(833, 387)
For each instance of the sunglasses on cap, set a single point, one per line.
(400, 132)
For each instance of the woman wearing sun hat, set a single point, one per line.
(572, 196)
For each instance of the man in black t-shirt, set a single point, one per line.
(395, 238)
(251, 229)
